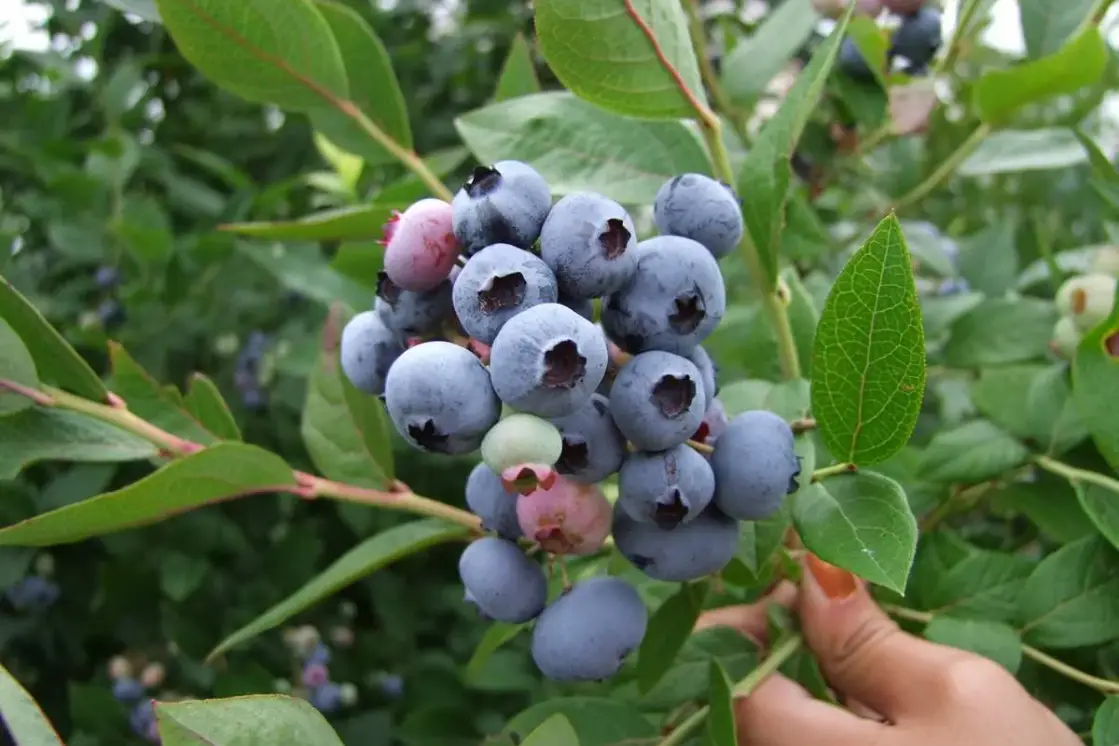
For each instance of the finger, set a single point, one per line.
(749, 619)
(780, 712)
(862, 652)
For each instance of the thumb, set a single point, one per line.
(861, 651)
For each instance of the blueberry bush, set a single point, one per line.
(622, 305)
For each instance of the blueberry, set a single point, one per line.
(1087, 299)
(521, 439)
(852, 62)
(584, 307)
(672, 303)
(698, 207)
(700, 547)
(107, 277)
(548, 360)
(368, 349)
(709, 372)
(667, 488)
(440, 399)
(127, 689)
(567, 517)
(142, 718)
(586, 634)
(411, 313)
(496, 284)
(501, 581)
(392, 685)
(917, 39)
(488, 499)
(420, 245)
(755, 465)
(315, 675)
(714, 424)
(590, 243)
(593, 447)
(320, 654)
(326, 698)
(254, 399)
(503, 203)
(111, 313)
(1065, 338)
(657, 400)
(33, 593)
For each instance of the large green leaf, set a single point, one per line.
(23, 719)
(337, 224)
(204, 402)
(54, 358)
(367, 557)
(860, 522)
(764, 178)
(518, 74)
(578, 147)
(35, 435)
(1102, 507)
(597, 722)
(1095, 379)
(1013, 151)
(1000, 331)
(1105, 726)
(302, 269)
(994, 640)
(16, 366)
(669, 628)
(497, 635)
(598, 51)
(970, 453)
(147, 399)
(346, 432)
(1048, 415)
(1047, 24)
(224, 471)
(757, 59)
(1071, 599)
(689, 677)
(279, 53)
(720, 729)
(983, 585)
(868, 367)
(272, 719)
(555, 731)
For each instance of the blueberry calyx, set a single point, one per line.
(564, 367)
(428, 437)
(673, 395)
(501, 292)
(614, 239)
(482, 181)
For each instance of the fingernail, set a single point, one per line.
(836, 583)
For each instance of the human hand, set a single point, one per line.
(899, 690)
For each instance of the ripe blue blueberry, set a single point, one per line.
(852, 62)
(496, 284)
(917, 39)
(391, 685)
(412, 313)
(590, 243)
(326, 698)
(586, 634)
(107, 277)
(33, 593)
(755, 465)
(111, 313)
(368, 349)
(487, 498)
(667, 488)
(440, 398)
(700, 547)
(142, 720)
(548, 360)
(657, 400)
(501, 581)
(673, 302)
(320, 654)
(709, 372)
(593, 447)
(698, 207)
(503, 203)
(127, 690)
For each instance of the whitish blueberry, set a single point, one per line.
(412, 313)
(698, 207)
(590, 243)
(657, 400)
(368, 349)
(672, 303)
(420, 245)
(548, 360)
(755, 465)
(917, 38)
(593, 447)
(1087, 299)
(487, 498)
(501, 581)
(440, 398)
(496, 284)
(700, 547)
(667, 488)
(586, 633)
(503, 203)
(708, 372)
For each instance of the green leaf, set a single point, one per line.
(688, 679)
(1014, 151)
(720, 720)
(182, 574)
(23, 719)
(971, 453)
(1000, 331)
(1048, 416)
(599, 52)
(267, 53)
(205, 403)
(669, 628)
(984, 585)
(367, 557)
(757, 59)
(868, 367)
(766, 172)
(1095, 375)
(1050, 503)
(147, 399)
(273, 719)
(578, 147)
(597, 722)
(993, 640)
(555, 731)
(346, 431)
(989, 258)
(143, 8)
(860, 522)
(873, 43)
(1105, 725)
(518, 74)
(17, 366)
(54, 358)
(1071, 599)
(373, 87)
(221, 472)
(1001, 93)
(1102, 507)
(339, 224)
(36, 434)
(1046, 25)
(495, 637)
(303, 270)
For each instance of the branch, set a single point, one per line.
(944, 170)
(1075, 475)
(723, 103)
(830, 471)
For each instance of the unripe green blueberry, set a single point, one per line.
(1087, 299)
(1065, 338)
(523, 449)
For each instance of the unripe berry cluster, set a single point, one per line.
(313, 657)
(1083, 301)
(135, 691)
(488, 304)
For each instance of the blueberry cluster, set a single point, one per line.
(487, 304)
(913, 43)
(110, 312)
(246, 371)
(135, 693)
(314, 656)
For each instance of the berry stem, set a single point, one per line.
(701, 447)
(802, 425)
(719, 96)
(963, 24)
(830, 471)
(944, 170)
